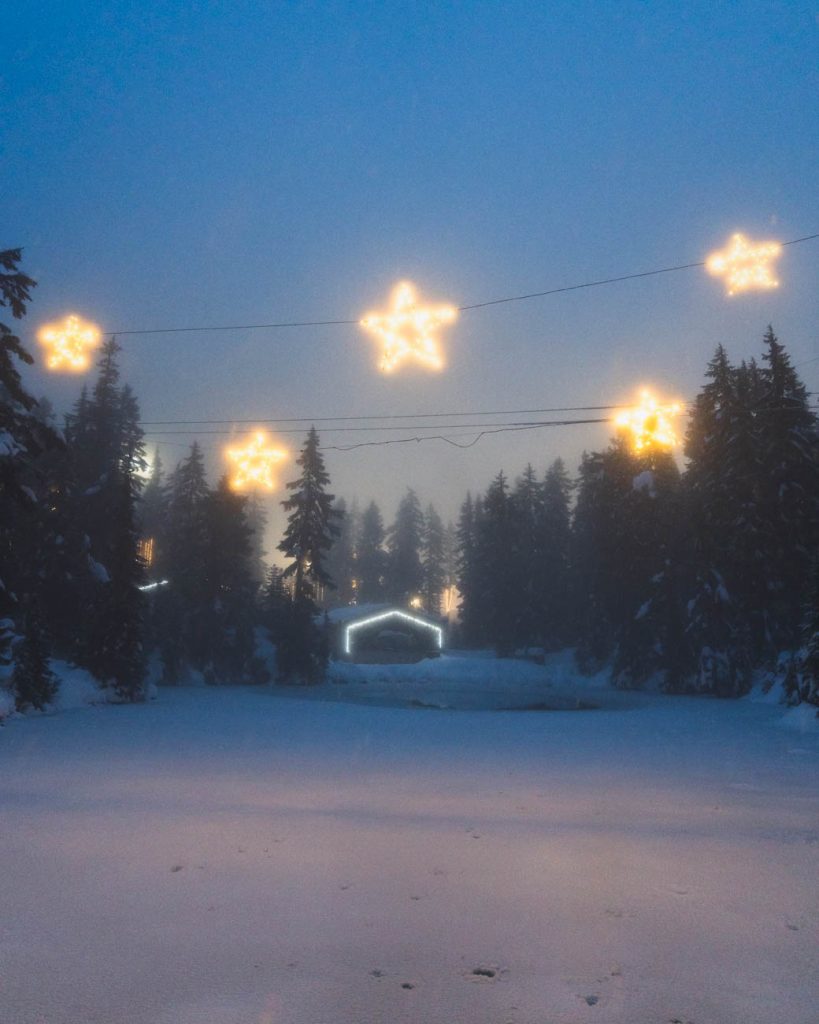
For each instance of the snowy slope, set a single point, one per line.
(232, 856)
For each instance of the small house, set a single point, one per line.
(384, 634)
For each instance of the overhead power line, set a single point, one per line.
(369, 430)
(388, 416)
(340, 321)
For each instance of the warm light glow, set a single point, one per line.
(69, 344)
(145, 550)
(415, 602)
(407, 331)
(649, 423)
(253, 464)
(449, 599)
(745, 265)
(348, 632)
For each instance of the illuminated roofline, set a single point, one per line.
(390, 615)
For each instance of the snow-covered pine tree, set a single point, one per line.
(432, 561)
(33, 683)
(24, 439)
(405, 574)
(371, 560)
(311, 528)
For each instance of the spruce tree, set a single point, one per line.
(311, 528)
(371, 558)
(107, 451)
(788, 451)
(497, 579)
(25, 440)
(720, 485)
(433, 561)
(405, 574)
(472, 607)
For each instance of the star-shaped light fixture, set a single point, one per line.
(69, 344)
(253, 463)
(649, 423)
(407, 330)
(745, 265)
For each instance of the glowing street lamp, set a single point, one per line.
(745, 265)
(408, 331)
(649, 423)
(253, 464)
(69, 344)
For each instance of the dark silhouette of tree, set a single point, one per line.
(311, 528)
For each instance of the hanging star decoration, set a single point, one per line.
(745, 265)
(649, 423)
(69, 344)
(407, 331)
(253, 464)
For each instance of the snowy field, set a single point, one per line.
(249, 856)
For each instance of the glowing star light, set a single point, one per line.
(649, 423)
(745, 265)
(253, 464)
(408, 330)
(69, 344)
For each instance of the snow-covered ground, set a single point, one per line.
(253, 856)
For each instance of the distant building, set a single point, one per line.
(384, 634)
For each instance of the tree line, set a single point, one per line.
(690, 580)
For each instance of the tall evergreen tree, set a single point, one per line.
(433, 561)
(788, 450)
(108, 457)
(371, 558)
(342, 559)
(405, 574)
(311, 528)
(496, 568)
(472, 608)
(25, 439)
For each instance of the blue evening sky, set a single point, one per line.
(196, 163)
